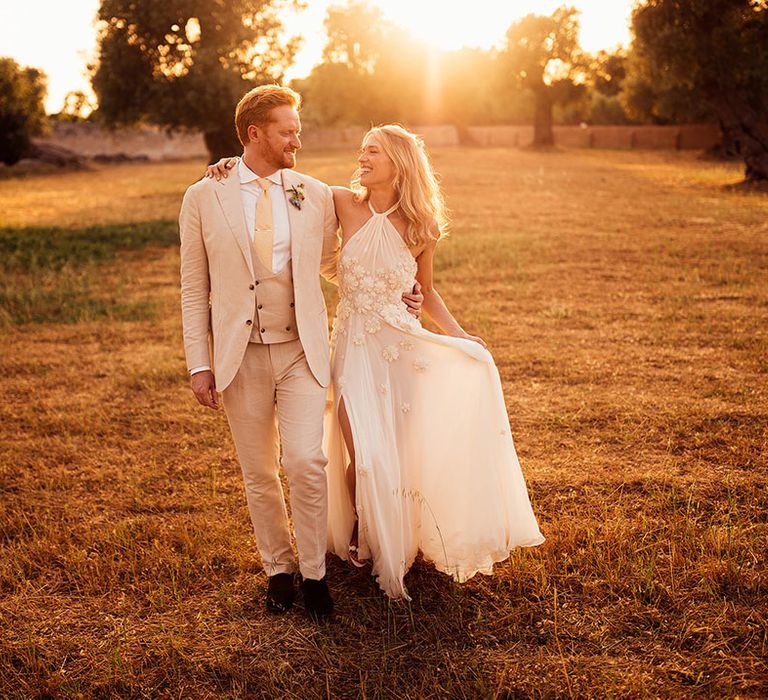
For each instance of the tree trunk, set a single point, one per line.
(744, 132)
(222, 143)
(542, 118)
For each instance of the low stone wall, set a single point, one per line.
(686, 136)
(150, 142)
(153, 143)
(351, 137)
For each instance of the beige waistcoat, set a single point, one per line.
(274, 319)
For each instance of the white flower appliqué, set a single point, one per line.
(390, 353)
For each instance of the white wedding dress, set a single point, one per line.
(436, 467)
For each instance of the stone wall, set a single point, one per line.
(155, 144)
(91, 140)
(686, 136)
(351, 137)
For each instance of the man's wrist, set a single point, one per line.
(197, 370)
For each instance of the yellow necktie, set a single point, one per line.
(262, 235)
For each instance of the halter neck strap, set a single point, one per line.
(383, 213)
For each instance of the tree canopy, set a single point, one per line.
(712, 54)
(543, 56)
(186, 63)
(374, 71)
(22, 109)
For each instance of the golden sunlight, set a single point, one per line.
(483, 23)
(63, 45)
(450, 27)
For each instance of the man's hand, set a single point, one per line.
(414, 300)
(204, 389)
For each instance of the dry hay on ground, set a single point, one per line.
(623, 296)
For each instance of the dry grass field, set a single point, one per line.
(625, 298)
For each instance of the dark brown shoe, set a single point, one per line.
(317, 598)
(280, 593)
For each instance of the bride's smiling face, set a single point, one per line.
(376, 167)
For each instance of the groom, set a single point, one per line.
(252, 249)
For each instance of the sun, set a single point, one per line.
(450, 26)
(484, 23)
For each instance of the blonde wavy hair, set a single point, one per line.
(415, 183)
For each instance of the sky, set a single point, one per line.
(59, 36)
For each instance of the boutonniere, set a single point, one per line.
(297, 195)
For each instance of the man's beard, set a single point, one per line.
(282, 159)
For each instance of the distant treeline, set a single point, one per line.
(375, 71)
(185, 66)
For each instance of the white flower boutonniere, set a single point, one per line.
(297, 195)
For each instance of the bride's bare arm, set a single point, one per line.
(343, 199)
(433, 302)
(219, 169)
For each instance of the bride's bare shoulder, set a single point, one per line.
(344, 199)
(341, 194)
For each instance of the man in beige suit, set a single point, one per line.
(252, 248)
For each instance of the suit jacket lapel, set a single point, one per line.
(228, 194)
(295, 218)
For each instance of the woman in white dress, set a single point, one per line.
(421, 456)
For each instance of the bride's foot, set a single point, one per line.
(354, 549)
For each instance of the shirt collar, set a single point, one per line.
(247, 175)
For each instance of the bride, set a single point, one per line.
(420, 452)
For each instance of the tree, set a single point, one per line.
(22, 110)
(341, 90)
(543, 56)
(186, 63)
(77, 107)
(374, 71)
(476, 89)
(608, 71)
(357, 33)
(717, 51)
(647, 100)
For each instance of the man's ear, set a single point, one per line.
(253, 132)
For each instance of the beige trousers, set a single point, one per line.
(274, 381)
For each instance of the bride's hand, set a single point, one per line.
(476, 339)
(219, 170)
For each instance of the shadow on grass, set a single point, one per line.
(58, 275)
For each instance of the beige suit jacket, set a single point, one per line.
(217, 278)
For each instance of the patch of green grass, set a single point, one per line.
(58, 275)
(32, 249)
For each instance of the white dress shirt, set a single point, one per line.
(250, 191)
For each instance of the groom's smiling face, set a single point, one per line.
(277, 141)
